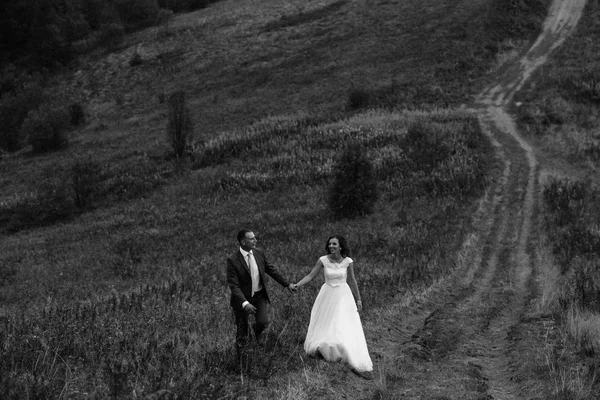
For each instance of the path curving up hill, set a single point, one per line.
(457, 341)
(521, 193)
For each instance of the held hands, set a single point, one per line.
(359, 305)
(293, 288)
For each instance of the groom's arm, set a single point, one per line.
(274, 273)
(234, 283)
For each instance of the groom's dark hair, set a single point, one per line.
(344, 250)
(242, 234)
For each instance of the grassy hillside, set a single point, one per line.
(125, 296)
(558, 113)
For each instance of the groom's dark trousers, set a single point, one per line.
(261, 302)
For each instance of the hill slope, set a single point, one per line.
(458, 291)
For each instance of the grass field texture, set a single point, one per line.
(125, 297)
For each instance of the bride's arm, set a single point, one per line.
(354, 285)
(311, 274)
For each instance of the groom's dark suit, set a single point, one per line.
(240, 283)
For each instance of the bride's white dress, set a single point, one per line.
(335, 329)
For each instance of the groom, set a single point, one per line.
(246, 269)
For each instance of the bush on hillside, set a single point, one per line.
(84, 180)
(10, 132)
(46, 128)
(136, 58)
(359, 98)
(111, 34)
(354, 190)
(9, 78)
(179, 125)
(77, 114)
(14, 108)
(137, 13)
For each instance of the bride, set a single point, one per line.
(335, 331)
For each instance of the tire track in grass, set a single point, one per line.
(455, 341)
(496, 360)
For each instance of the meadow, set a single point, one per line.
(123, 295)
(185, 319)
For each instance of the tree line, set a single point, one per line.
(47, 33)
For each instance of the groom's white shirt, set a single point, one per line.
(245, 255)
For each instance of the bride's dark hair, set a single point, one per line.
(344, 250)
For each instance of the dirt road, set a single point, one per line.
(465, 329)
(459, 340)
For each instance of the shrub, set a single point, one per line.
(10, 132)
(14, 107)
(111, 34)
(136, 59)
(358, 98)
(354, 190)
(9, 75)
(45, 128)
(137, 13)
(77, 114)
(179, 126)
(84, 180)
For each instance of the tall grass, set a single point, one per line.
(570, 285)
(572, 223)
(129, 297)
(175, 336)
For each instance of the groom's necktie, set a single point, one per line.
(253, 273)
